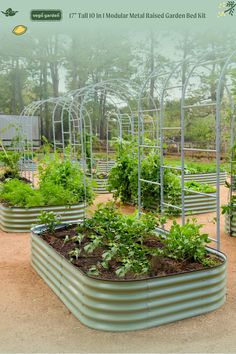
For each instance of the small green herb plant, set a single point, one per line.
(50, 220)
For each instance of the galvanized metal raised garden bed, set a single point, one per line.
(21, 219)
(101, 186)
(233, 181)
(230, 223)
(209, 178)
(199, 204)
(129, 305)
(104, 165)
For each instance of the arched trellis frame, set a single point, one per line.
(160, 77)
(183, 85)
(217, 106)
(119, 93)
(63, 113)
(228, 84)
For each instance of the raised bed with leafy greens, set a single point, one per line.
(60, 183)
(111, 268)
(111, 245)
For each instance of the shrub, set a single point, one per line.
(123, 176)
(63, 182)
(199, 187)
(10, 159)
(186, 242)
(50, 220)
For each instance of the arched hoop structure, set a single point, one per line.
(157, 146)
(67, 129)
(189, 80)
(118, 95)
(227, 84)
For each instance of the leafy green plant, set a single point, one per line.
(195, 167)
(50, 220)
(75, 253)
(123, 178)
(230, 207)
(200, 187)
(192, 167)
(122, 236)
(18, 193)
(187, 242)
(123, 175)
(63, 182)
(10, 159)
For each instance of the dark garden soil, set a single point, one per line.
(3, 178)
(159, 266)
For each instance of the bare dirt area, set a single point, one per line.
(34, 320)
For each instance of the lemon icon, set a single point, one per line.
(19, 30)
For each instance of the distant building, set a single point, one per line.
(13, 127)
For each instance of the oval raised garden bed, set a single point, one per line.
(15, 219)
(199, 204)
(209, 178)
(101, 186)
(104, 165)
(124, 305)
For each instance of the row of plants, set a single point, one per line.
(200, 167)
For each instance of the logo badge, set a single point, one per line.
(9, 12)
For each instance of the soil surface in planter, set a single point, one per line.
(3, 179)
(159, 267)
